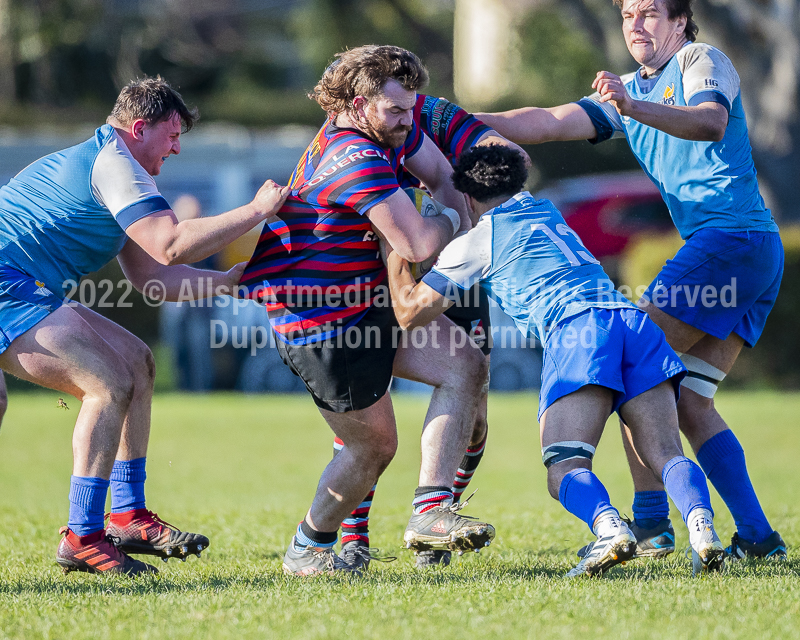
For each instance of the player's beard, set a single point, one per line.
(387, 137)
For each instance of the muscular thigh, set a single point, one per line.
(63, 352)
(134, 350)
(437, 352)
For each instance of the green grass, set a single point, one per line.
(243, 470)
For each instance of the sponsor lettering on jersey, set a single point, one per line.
(669, 95)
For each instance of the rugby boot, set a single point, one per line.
(615, 544)
(650, 543)
(142, 531)
(773, 548)
(708, 554)
(444, 528)
(358, 555)
(96, 553)
(315, 561)
(432, 558)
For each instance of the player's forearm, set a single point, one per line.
(706, 122)
(438, 232)
(402, 288)
(443, 191)
(200, 238)
(182, 282)
(533, 125)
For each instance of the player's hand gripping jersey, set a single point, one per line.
(65, 215)
(704, 184)
(531, 262)
(317, 263)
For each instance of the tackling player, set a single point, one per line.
(318, 267)
(682, 115)
(601, 354)
(62, 217)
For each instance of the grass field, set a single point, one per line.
(243, 469)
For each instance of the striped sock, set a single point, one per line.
(356, 525)
(470, 462)
(426, 498)
(308, 537)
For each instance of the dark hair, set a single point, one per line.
(490, 171)
(363, 71)
(676, 9)
(152, 100)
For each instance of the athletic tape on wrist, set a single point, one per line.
(567, 450)
(455, 219)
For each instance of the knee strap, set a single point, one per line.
(567, 450)
(702, 378)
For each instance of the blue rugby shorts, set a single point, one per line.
(621, 349)
(739, 273)
(24, 302)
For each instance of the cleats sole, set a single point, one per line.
(653, 553)
(165, 551)
(468, 538)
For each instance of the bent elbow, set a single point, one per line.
(404, 319)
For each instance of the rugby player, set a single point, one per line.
(601, 353)
(682, 115)
(318, 268)
(454, 131)
(62, 217)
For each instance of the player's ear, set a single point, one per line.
(359, 104)
(137, 129)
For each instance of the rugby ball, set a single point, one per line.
(427, 207)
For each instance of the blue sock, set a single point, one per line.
(308, 537)
(722, 459)
(584, 496)
(87, 502)
(127, 485)
(686, 485)
(649, 508)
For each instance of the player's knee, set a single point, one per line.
(3, 403)
(562, 457)
(143, 363)
(476, 371)
(383, 453)
(118, 389)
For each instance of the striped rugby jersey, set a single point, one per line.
(317, 265)
(451, 128)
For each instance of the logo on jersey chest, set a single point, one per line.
(669, 95)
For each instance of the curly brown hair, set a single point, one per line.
(363, 71)
(490, 171)
(152, 100)
(676, 9)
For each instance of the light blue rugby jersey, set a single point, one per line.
(704, 184)
(65, 215)
(530, 262)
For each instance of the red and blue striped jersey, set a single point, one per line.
(317, 265)
(451, 128)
